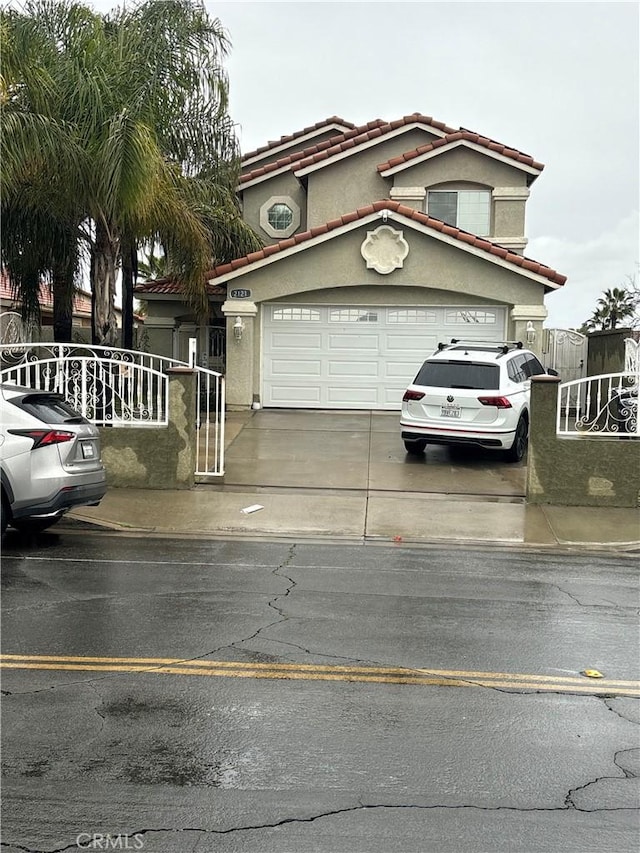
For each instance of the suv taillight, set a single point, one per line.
(44, 437)
(498, 402)
(412, 395)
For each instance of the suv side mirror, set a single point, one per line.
(552, 372)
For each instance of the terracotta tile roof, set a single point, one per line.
(378, 128)
(306, 152)
(293, 136)
(468, 136)
(170, 286)
(342, 142)
(386, 204)
(81, 299)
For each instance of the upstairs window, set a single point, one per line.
(469, 210)
(280, 216)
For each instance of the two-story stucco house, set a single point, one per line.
(380, 241)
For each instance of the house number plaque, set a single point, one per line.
(240, 293)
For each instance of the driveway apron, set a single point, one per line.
(356, 451)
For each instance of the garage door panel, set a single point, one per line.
(404, 371)
(410, 343)
(350, 342)
(363, 369)
(295, 341)
(352, 396)
(291, 394)
(280, 368)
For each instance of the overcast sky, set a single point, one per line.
(557, 80)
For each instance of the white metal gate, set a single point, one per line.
(566, 352)
(116, 387)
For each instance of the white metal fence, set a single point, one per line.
(114, 387)
(605, 405)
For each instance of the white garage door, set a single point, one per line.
(357, 357)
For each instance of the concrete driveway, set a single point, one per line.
(355, 451)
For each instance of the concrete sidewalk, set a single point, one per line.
(345, 476)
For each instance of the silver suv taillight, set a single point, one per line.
(44, 437)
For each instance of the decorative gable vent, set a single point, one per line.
(384, 250)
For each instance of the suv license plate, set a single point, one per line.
(450, 411)
(87, 450)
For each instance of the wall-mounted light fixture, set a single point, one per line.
(531, 333)
(238, 329)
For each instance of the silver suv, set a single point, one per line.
(474, 393)
(49, 459)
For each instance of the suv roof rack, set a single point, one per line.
(501, 346)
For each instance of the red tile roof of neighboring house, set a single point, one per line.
(81, 299)
(293, 136)
(463, 237)
(170, 286)
(468, 136)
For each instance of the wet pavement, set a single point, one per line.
(175, 695)
(345, 476)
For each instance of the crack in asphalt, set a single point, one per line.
(568, 805)
(577, 600)
(608, 698)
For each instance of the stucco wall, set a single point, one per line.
(581, 471)
(354, 181)
(156, 457)
(605, 353)
(461, 164)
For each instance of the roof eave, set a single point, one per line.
(487, 152)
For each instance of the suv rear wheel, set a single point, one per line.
(519, 447)
(415, 448)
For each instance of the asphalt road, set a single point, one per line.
(178, 695)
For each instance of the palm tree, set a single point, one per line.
(615, 304)
(121, 123)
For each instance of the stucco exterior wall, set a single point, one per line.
(461, 164)
(508, 218)
(354, 181)
(579, 471)
(156, 457)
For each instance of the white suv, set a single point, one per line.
(471, 392)
(49, 459)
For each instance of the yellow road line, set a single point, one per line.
(321, 672)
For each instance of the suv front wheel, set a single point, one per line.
(519, 447)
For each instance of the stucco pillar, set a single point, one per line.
(139, 457)
(527, 325)
(409, 196)
(240, 316)
(541, 459)
(508, 217)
